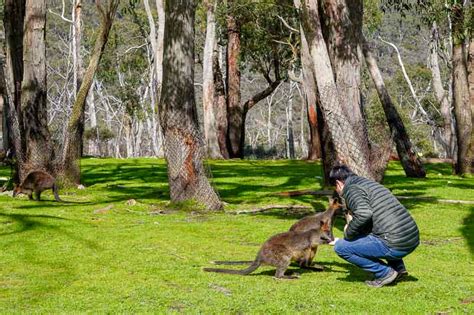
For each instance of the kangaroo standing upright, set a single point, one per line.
(281, 249)
(314, 222)
(36, 182)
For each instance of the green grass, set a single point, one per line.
(98, 254)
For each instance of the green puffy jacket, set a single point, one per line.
(376, 211)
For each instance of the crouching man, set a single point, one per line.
(381, 228)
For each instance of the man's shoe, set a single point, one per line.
(402, 274)
(378, 283)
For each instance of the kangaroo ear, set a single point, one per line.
(325, 225)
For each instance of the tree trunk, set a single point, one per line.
(210, 127)
(184, 147)
(235, 112)
(442, 96)
(471, 97)
(160, 7)
(348, 146)
(342, 29)
(13, 23)
(220, 105)
(156, 40)
(69, 169)
(410, 161)
(76, 44)
(94, 140)
(462, 108)
(310, 89)
(341, 23)
(36, 138)
(290, 139)
(4, 145)
(14, 16)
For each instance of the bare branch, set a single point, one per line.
(288, 25)
(62, 14)
(407, 78)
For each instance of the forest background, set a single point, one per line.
(120, 116)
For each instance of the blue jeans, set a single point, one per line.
(366, 252)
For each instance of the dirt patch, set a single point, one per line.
(441, 241)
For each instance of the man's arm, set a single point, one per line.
(358, 201)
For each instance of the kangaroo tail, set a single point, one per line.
(55, 192)
(246, 271)
(232, 262)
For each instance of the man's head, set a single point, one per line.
(338, 176)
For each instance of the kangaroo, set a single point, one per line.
(281, 249)
(37, 182)
(314, 222)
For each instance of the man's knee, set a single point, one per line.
(341, 247)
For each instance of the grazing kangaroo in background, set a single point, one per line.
(314, 222)
(37, 182)
(281, 249)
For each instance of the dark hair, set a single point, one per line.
(341, 173)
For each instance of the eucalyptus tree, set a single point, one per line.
(350, 145)
(25, 23)
(257, 40)
(210, 95)
(455, 18)
(184, 146)
(72, 147)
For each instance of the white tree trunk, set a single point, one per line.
(442, 96)
(93, 141)
(76, 44)
(208, 101)
(290, 139)
(269, 122)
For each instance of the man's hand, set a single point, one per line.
(345, 227)
(334, 242)
(348, 216)
(339, 187)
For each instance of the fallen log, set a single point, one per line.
(271, 207)
(295, 193)
(433, 199)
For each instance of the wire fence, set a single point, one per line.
(185, 153)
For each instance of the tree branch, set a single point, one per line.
(62, 14)
(407, 78)
(261, 95)
(288, 25)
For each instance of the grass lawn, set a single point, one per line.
(102, 254)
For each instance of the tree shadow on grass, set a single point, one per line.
(329, 267)
(125, 170)
(51, 204)
(27, 222)
(467, 229)
(124, 177)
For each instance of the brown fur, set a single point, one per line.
(314, 222)
(37, 182)
(281, 249)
